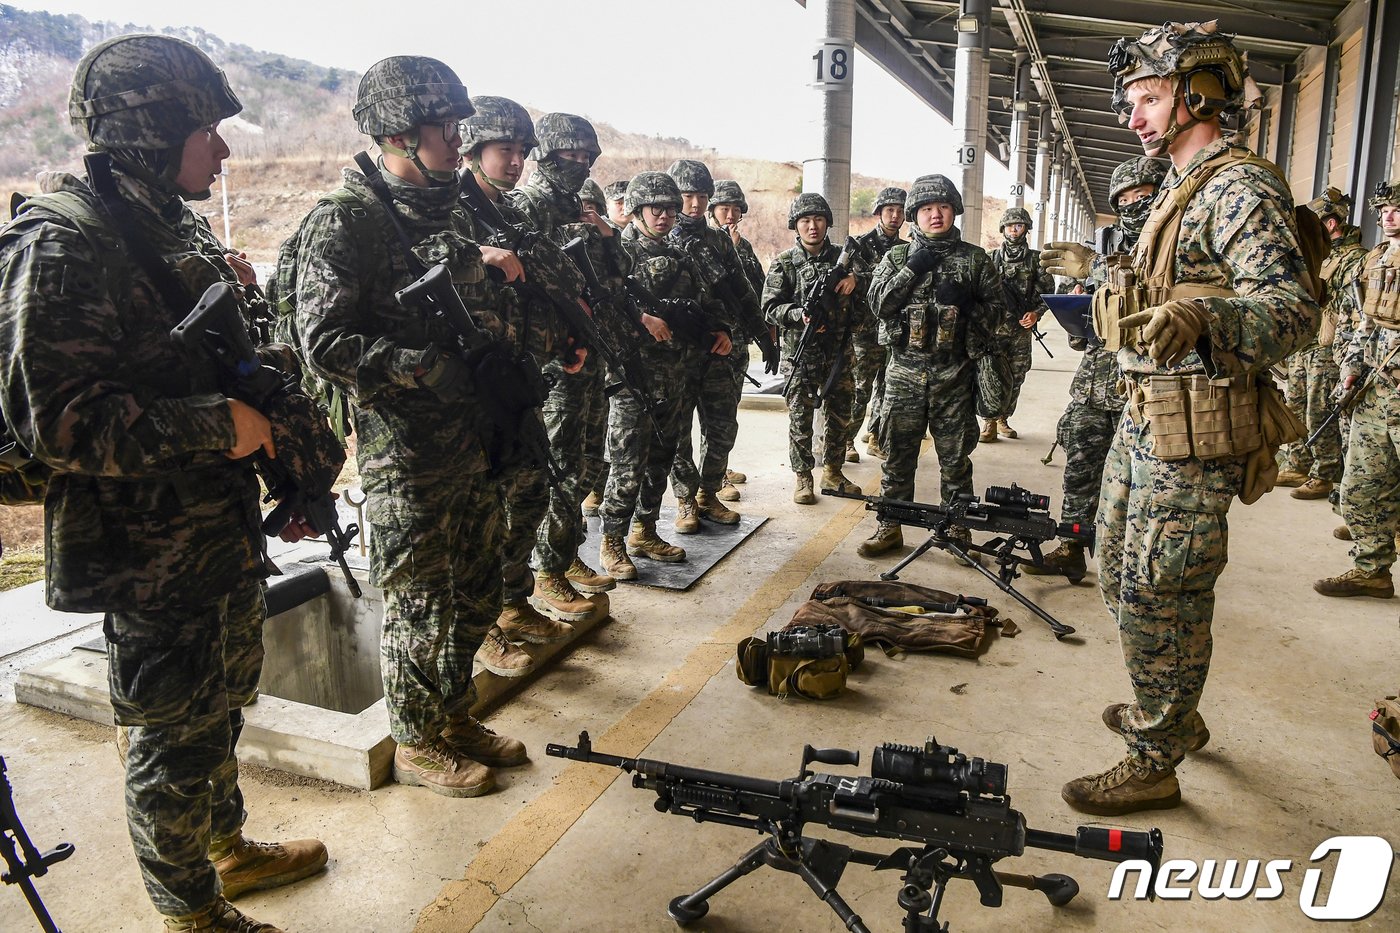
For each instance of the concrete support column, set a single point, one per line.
(1056, 193)
(830, 71)
(1043, 150)
(1020, 130)
(970, 117)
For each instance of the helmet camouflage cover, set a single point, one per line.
(1140, 170)
(1014, 215)
(1386, 192)
(888, 196)
(933, 189)
(727, 191)
(654, 188)
(591, 192)
(1178, 49)
(558, 131)
(614, 190)
(404, 92)
(498, 120)
(1331, 203)
(692, 175)
(147, 92)
(808, 202)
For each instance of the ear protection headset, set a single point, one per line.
(1203, 92)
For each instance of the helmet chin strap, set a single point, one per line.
(1158, 147)
(640, 220)
(435, 178)
(500, 184)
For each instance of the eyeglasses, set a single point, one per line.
(451, 129)
(660, 211)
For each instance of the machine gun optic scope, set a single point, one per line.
(938, 766)
(1014, 497)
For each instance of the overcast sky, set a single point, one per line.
(727, 74)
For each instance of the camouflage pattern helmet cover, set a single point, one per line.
(1386, 192)
(1015, 215)
(651, 188)
(1140, 170)
(147, 92)
(727, 191)
(558, 131)
(888, 196)
(808, 202)
(402, 93)
(592, 192)
(1331, 203)
(1179, 49)
(615, 190)
(692, 175)
(933, 189)
(498, 120)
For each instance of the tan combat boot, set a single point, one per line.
(833, 478)
(735, 478)
(470, 739)
(587, 580)
(244, 865)
(1200, 735)
(1358, 583)
(963, 539)
(218, 917)
(501, 658)
(1314, 488)
(989, 432)
(1006, 430)
(888, 536)
(1290, 478)
(687, 516)
(1341, 533)
(852, 456)
(521, 622)
(873, 448)
(803, 494)
(645, 542)
(612, 554)
(1127, 787)
(592, 503)
(716, 511)
(727, 492)
(556, 597)
(437, 767)
(1066, 560)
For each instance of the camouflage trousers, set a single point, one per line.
(836, 413)
(866, 368)
(575, 415)
(1017, 350)
(720, 386)
(1312, 378)
(526, 491)
(638, 461)
(1371, 482)
(435, 548)
(923, 393)
(179, 679)
(1085, 433)
(1161, 546)
(876, 404)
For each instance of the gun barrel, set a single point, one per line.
(1102, 842)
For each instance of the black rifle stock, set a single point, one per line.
(955, 808)
(1022, 524)
(815, 312)
(1345, 403)
(216, 327)
(23, 861)
(722, 280)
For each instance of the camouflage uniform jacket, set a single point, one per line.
(1237, 232)
(718, 261)
(144, 512)
(1096, 379)
(753, 269)
(873, 247)
(668, 272)
(356, 335)
(1025, 280)
(1341, 270)
(1371, 344)
(793, 272)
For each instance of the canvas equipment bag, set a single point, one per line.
(802, 660)
(1385, 732)
(949, 629)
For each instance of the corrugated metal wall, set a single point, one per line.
(1302, 163)
(1344, 128)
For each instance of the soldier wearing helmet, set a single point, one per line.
(1371, 471)
(870, 357)
(1024, 280)
(615, 191)
(419, 458)
(152, 504)
(825, 369)
(687, 328)
(1217, 287)
(939, 303)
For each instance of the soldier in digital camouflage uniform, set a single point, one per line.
(1371, 478)
(794, 271)
(434, 508)
(1234, 299)
(1088, 424)
(720, 380)
(1024, 281)
(641, 453)
(870, 357)
(614, 192)
(1313, 371)
(939, 302)
(151, 515)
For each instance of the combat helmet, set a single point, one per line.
(655, 188)
(615, 190)
(1331, 203)
(497, 120)
(933, 189)
(727, 191)
(692, 175)
(558, 131)
(1015, 215)
(592, 192)
(808, 202)
(1385, 192)
(147, 92)
(1141, 170)
(888, 196)
(404, 92)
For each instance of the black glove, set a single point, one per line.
(449, 378)
(921, 261)
(771, 356)
(951, 292)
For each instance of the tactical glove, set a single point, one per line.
(771, 356)
(951, 292)
(1071, 260)
(1171, 330)
(921, 261)
(448, 378)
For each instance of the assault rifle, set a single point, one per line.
(1020, 520)
(954, 808)
(722, 280)
(1021, 304)
(23, 861)
(815, 312)
(687, 320)
(309, 455)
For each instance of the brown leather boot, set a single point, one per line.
(734, 477)
(244, 865)
(989, 432)
(1127, 787)
(833, 478)
(645, 542)
(1290, 478)
(687, 516)
(852, 455)
(587, 580)
(501, 658)
(218, 917)
(716, 511)
(1200, 735)
(1358, 583)
(612, 554)
(1341, 533)
(470, 739)
(556, 597)
(592, 503)
(437, 767)
(888, 536)
(873, 448)
(802, 494)
(1066, 560)
(1006, 430)
(1314, 488)
(727, 492)
(522, 622)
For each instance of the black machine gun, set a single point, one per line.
(814, 310)
(1020, 520)
(954, 808)
(24, 862)
(309, 455)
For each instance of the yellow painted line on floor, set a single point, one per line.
(532, 832)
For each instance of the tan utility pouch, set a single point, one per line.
(1327, 330)
(1167, 405)
(1115, 301)
(946, 335)
(813, 675)
(1382, 299)
(1385, 732)
(1193, 416)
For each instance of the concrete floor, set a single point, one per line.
(564, 846)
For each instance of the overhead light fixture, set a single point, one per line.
(1002, 152)
(967, 24)
(1020, 106)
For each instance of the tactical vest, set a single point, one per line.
(924, 323)
(1380, 287)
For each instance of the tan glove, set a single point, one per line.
(1071, 260)
(1172, 329)
(1260, 474)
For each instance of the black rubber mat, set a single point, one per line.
(702, 550)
